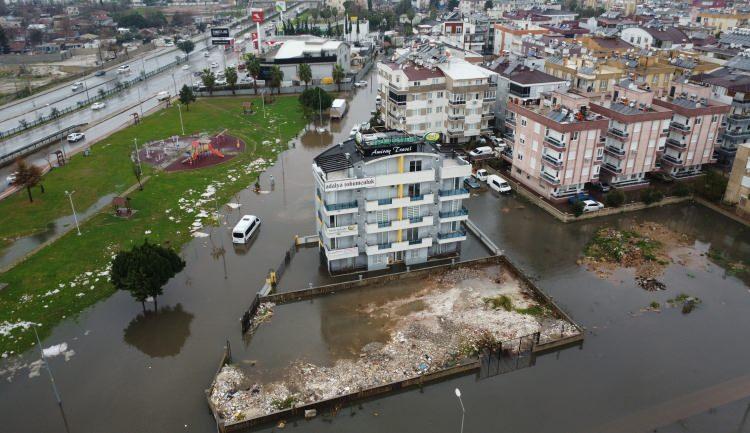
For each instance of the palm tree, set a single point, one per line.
(305, 74)
(338, 75)
(277, 75)
(209, 80)
(231, 75)
(252, 63)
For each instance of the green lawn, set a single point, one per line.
(70, 275)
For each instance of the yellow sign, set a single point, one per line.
(432, 137)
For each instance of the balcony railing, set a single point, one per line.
(554, 142)
(617, 151)
(385, 201)
(676, 143)
(672, 159)
(456, 116)
(385, 246)
(618, 133)
(551, 160)
(549, 178)
(450, 192)
(456, 102)
(341, 206)
(418, 197)
(611, 167)
(450, 235)
(680, 127)
(455, 213)
(737, 134)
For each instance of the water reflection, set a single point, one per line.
(159, 334)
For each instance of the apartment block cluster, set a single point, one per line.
(643, 89)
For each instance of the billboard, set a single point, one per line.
(257, 15)
(221, 41)
(339, 185)
(280, 5)
(220, 32)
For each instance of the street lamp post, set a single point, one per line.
(137, 155)
(182, 127)
(463, 411)
(140, 103)
(75, 217)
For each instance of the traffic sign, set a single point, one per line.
(280, 6)
(220, 32)
(257, 15)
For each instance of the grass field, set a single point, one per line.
(71, 274)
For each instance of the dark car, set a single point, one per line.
(581, 196)
(471, 183)
(603, 186)
(99, 73)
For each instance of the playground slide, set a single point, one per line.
(216, 152)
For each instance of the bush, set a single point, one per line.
(651, 195)
(577, 208)
(711, 186)
(615, 198)
(682, 190)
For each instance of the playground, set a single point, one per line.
(178, 153)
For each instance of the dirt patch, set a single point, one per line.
(444, 321)
(644, 247)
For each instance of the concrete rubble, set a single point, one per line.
(449, 324)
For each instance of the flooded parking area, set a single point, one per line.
(382, 332)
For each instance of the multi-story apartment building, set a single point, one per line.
(586, 75)
(636, 133)
(694, 130)
(738, 187)
(558, 146)
(450, 96)
(508, 38)
(387, 197)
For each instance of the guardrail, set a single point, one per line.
(46, 141)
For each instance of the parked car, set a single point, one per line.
(498, 184)
(124, 69)
(246, 80)
(77, 85)
(206, 54)
(472, 183)
(100, 73)
(11, 178)
(185, 67)
(481, 174)
(581, 196)
(214, 65)
(245, 228)
(76, 136)
(221, 82)
(481, 151)
(360, 84)
(592, 205)
(162, 96)
(98, 105)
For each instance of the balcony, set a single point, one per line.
(510, 122)
(672, 160)
(488, 115)
(680, 127)
(393, 203)
(737, 134)
(405, 178)
(401, 224)
(341, 253)
(456, 215)
(612, 168)
(615, 151)
(391, 247)
(554, 162)
(738, 119)
(675, 143)
(617, 134)
(453, 194)
(340, 208)
(554, 142)
(341, 231)
(456, 116)
(456, 236)
(456, 102)
(454, 168)
(547, 177)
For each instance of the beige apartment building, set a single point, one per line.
(693, 132)
(738, 188)
(636, 133)
(558, 145)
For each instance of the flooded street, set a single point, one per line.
(146, 373)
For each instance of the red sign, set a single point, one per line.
(257, 15)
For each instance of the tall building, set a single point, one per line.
(387, 197)
(558, 144)
(445, 94)
(738, 187)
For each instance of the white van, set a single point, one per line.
(498, 184)
(245, 228)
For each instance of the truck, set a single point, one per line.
(338, 108)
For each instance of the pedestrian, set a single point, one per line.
(41, 186)
(273, 181)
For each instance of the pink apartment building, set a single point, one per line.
(693, 132)
(558, 145)
(636, 134)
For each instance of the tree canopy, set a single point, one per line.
(209, 80)
(144, 270)
(27, 176)
(187, 46)
(305, 74)
(187, 96)
(314, 99)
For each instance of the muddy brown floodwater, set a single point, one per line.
(632, 374)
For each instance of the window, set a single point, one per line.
(599, 152)
(631, 162)
(698, 120)
(520, 156)
(415, 166)
(537, 128)
(714, 118)
(568, 173)
(571, 155)
(585, 171)
(523, 121)
(532, 163)
(413, 190)
(574, 136)
(534, 145)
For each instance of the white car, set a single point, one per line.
(247, 79)
(185, 67)
(162, 96)
(11, 178)
(498, 184)
(221, 82)
(591, 205)
(360, 84)
(76, 136)
(77, 85)
(481, 174)
(98, 105)
(214, 65)
(481, 151)
(124, 69)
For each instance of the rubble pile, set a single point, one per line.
(448, 327)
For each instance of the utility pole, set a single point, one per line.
(137, 155)
(182, 127)
(75, 217)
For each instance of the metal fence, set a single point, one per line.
(508, 356)
(38, 144)
(56, 113)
